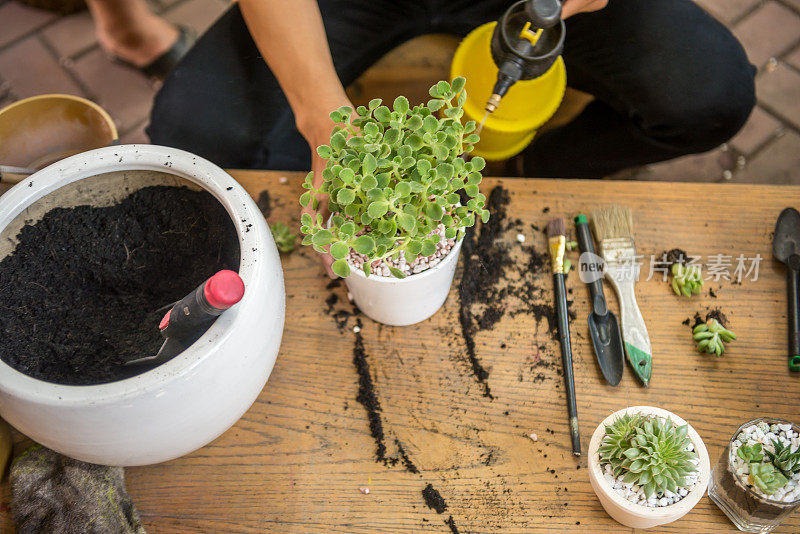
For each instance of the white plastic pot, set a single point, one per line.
(189, 401)
(401, 302)
(635, 515)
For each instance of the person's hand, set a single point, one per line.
(571, 7)
(317, 131)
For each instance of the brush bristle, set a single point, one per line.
(612, 222)
(556, 227)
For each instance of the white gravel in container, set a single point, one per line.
(422, 263)
(765, 434)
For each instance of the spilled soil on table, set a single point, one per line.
(676, 255)
(496, 283)
(84, 287)
(368, 398)
(699, 319)
(500, 278)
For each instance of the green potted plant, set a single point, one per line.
(647, 466)
(401, 194)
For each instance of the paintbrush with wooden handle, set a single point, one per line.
(613, 230)
(556, 240)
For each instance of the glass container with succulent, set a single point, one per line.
(756, 481)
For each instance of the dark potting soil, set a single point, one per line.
(434, 499)
(484, 264)
(452, 524)
(83, 289)
(495, 284)
(716, 313)
(368, 398)
(264, 203)
(676, 255)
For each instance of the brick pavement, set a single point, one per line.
(41, 52)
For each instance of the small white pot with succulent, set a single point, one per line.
(647, 466)
(393, 178)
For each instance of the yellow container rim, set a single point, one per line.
(53, 96)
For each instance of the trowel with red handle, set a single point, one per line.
(190, 317)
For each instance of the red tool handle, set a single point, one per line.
(193, 314)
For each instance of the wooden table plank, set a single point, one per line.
(295, 461)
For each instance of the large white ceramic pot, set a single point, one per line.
(635, 515)
(410, 300)
(189, 401)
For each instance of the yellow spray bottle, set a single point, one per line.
(516, 60)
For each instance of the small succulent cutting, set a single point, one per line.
(751, 453)
(711, 337)
(648, 451)
(285, 239)
(687, 280)
(393, 176)
(784, 459)
(765, 477)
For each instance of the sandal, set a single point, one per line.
(160, 67)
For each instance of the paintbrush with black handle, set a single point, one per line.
(557, 243)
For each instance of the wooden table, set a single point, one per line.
(296, 460)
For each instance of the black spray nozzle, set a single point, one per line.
(509, 73)
(527, 40)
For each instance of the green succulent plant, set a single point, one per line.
(765, 477)
(687, 280)
(784, 459)
(751, 453)
(392, 176)
(648, 451)
(618, 439)
(711, 337)
(285, 239)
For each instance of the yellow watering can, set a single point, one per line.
(531, 78)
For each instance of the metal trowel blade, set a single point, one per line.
(608, 347)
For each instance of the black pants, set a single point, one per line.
(668, 79)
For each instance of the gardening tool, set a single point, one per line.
(786, 249)
(613, 229)
(603, 324)
(14, 175)
(557, 242)
(522, 49)
(190, 317)
(40, 130)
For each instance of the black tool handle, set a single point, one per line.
(192, 314)
(792, 284)
(585, 243)
(566, 360)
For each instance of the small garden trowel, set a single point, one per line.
(189, 318)
(603, 324)
(786, 249)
